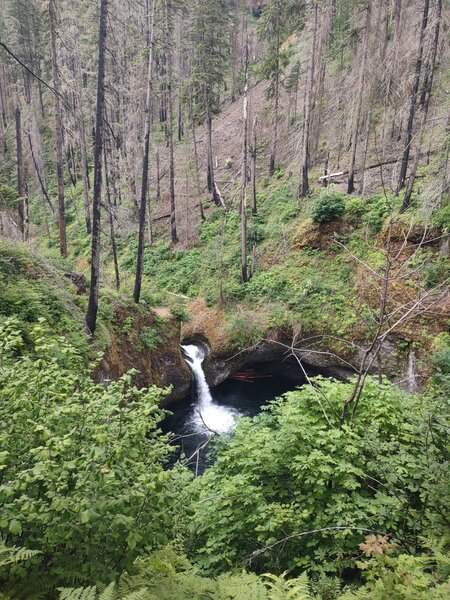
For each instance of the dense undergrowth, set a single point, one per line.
(84, 489)
(298, 504)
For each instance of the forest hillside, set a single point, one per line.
(224, 299)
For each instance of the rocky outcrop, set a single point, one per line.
(144, 340)
(317, 357)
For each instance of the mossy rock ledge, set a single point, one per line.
(158, 361)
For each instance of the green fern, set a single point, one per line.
(89, 593)
(109, 593)
(288, 589)
(12, 554)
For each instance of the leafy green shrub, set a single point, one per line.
(403, 577)
(179, 311)
(378, 209)
(293, 470)
(442, 217)
(242, 329)
(127, 325)
(82, 467)
(150, 337)
(329, 207)
(437, 271)
(354, 208)
(8, 196)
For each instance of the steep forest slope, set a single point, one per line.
(269, 178)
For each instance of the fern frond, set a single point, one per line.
(142, 594)
(288, 589)
(109, 593)
(89, 593)
(12, 554)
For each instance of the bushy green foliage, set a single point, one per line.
(165, 575)
(442, 217)
(150, 337)
(8, 196)
(179, 310)
(404, 577)
(378, 208)
(82, 476)
(243, 329)
(32, 289)
(291, 471)
(329, 207)
(307, 284)
(354, 208)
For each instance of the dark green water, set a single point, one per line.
(241, 398)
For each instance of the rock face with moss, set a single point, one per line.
(149, 342)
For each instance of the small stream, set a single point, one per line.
(215, 411)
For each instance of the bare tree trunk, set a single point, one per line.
(210, 175)
(396, 45)
(413, 102)
(145, 161)
(326, 171)
(20, 174)
(273, 151)
(254, 157)
(111, 221)
(196, 166)
(85, 176)
(169, 32)
(39, 176)
(3, 120)
(158, 178)
(428, 84)
(304, 190)
(357, 119)
(244, 272)
(366, 151)
(84, 168)
(91, 313)
(58, 132)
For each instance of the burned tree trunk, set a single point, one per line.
(145, 161)
(20, 174)
(413, 101)
(428, 84)
(304, 190)
(169, 32)
(357, 119)
(254, 157)
(91, 313)
(58, 132)
(244, 273)
(273, 151)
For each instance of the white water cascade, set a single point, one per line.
(208, 417)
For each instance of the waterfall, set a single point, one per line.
(411, 372)
(208, 417)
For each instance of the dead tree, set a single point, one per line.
(413, 101)
(20, 175)
(169, 124)
(426, 93)
(304, 190)
(244, 272)
(145, 160)
(254, 157)
(92, 309)
(110, 209)
(276, 91)
(359, 99)
(58, 131)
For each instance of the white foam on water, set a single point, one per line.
(208, 417)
